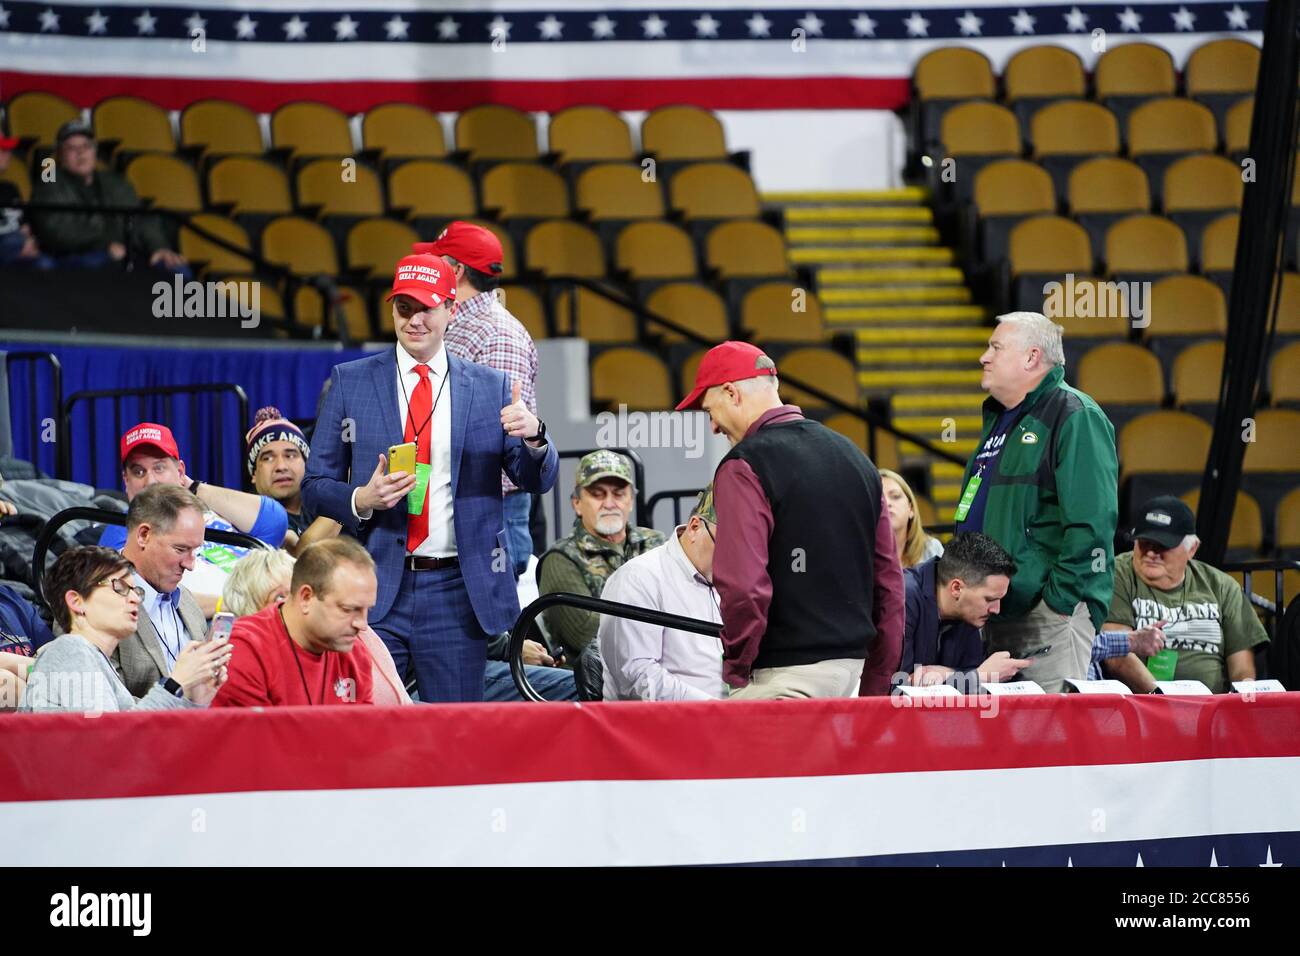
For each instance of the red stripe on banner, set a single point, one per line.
(355, 96)
(65, 756)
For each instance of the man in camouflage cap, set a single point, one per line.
(601, 542)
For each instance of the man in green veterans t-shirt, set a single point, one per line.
(1207, 620)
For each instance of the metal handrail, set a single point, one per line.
(519, 633)
(1278, 566)
(56, 376)
(677, 496)
(238, 538)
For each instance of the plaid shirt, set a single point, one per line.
(1106, 645)
(483, 331)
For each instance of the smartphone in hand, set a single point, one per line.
(402, 458)
(222, 624)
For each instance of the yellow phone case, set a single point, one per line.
(402, 458)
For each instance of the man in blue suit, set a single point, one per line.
(446, 582)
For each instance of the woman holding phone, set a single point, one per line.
(97, 603)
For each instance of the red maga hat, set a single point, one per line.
(728, 362)
(149, 435)
(467, 243)
(427, 279)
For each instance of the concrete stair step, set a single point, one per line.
(871, 295)
(851, 236)
(962, 446)
(916, 378)
(966, 425)
(857, 213)
(924, 276)
(885, 255)
(875, 355)
(959, 335)
(902, 194)
(941, 470)
(915, 314)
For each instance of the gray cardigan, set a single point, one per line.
(71, 673)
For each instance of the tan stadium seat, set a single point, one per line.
(169, 181)
(403, 131)
(1164, 442)
(493, 131)
(1042, 72)
(526, 306)
(767, 313)
(980, 129)
(376, 245)
(1050, 244)
(563, 248)
(1071, 127)
(587, 315)
(252, 185)
(655, 250)
(744, 248)
(1222, 66)
(1247, 528)
(690, 366)
(1014, 187)
(221, 128)
(631, 377)
(1171, 125)
(714, 191)
(37, 116)
(1088, 308)
(302, 246)
(136, 125)
(954, 73)
(855, 429)
(214, 259)
(618, 191)
(1187, 305)
(525, 191)
(1236, 126)
(589, 134)
(1219, 244)
(309, 309)
(691, 305)
(1287, 528)
(311, 129)
(320, 183)
(1275, 447)
(683, 133)
(432, 189)
(821, 368)
(1288, 311)
(1203, 182)
(1284, 375)
(1108, 184)
(1119, 373)
(1135, 69)
(1197, 372)
(1145, 244)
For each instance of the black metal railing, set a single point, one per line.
(37, 424)
(57, 521)
(677, 497)
(1273, 609)
(519, 633)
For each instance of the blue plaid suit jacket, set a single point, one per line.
(358, 422)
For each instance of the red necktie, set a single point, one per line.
(418, 429)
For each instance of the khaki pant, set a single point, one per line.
(834, 678)
(1070, 639)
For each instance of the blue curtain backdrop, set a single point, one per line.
(288, 378)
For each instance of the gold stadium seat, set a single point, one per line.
(1284, 375)
(631, 377)
(1219, 244)
(1039, 72)
(1171, 125)
(1275, 447)
(714, 191)
(38, 116)
(855, 429)
(1108, 184)
(525, 191)
(589, 134)
(1164, 442)
(221, 128)
(403, 131)
(320, 183)
(311, 129)
(767, 313)
(675, 133)
(309, 309)
(432, 189)
(1011, 187)
(655, 250)
(1247, 528)
(1222, 66)
(170, 182)
(691, 305)
(1287, 528)
(745, 248)
(526, 306)
(1236, 126)
(1146, 244)
(980, 129)
(691, 365)
(16, 173)
(617, 191)
(1288, 310)
(1090, 308)
(302, 246)
(954, 73)
(1202, 182)
(214, 259)
(1197, 372)
(1050, 244)
(587, 315)
(1186, 305)
(496, 132)
(252, 185)
(134, 125)
(377, 244)
(564, 248)
(828, 371)
(1135, 69)
(1071, 127)
(1119, 373)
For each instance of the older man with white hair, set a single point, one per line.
(1043, 483)
(1202, 612)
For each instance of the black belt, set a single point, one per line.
(415, 562)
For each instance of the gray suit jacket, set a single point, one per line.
(140, 660)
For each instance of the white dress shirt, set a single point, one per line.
(164, 612)
(648, 662)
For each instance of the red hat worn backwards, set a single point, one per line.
(728, 362)
(149, 435)
(469, 244)
(427, 279)
(9, 142)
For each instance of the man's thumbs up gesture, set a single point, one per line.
(516, 419)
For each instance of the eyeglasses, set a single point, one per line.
(120, 586)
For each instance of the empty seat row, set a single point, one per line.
(1124, 374)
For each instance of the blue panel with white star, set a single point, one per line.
(649, 24)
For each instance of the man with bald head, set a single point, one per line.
(1043, 483)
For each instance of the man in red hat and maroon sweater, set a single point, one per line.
(805, 567)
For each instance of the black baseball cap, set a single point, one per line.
(1166, 520)
(74, 127)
